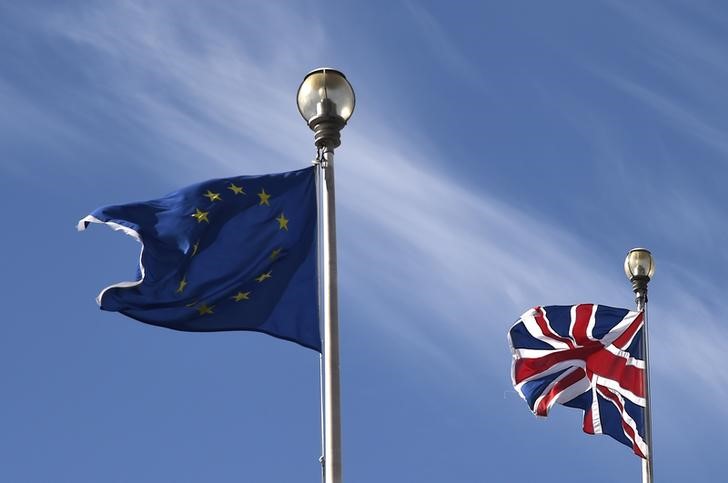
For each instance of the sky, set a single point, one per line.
(502, 155)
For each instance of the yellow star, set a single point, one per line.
(264, 197)
(275, 253)
(236, 189)
(241, 296)
(264, 276)
(282, 222)
(201, 215)
(213, 196)
(205, 309)
(195, 247)
(182, 285)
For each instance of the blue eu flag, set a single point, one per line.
(226, 254)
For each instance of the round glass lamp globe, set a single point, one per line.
(321, 84)
(639, 263)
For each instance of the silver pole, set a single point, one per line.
(647, 466)
(320, 301)
(321, 404)
(332, 400)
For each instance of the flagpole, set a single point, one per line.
(641, 300)
(326, 101)
(320, 293)
(640, 267)
(332, 391)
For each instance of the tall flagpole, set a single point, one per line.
(640, 267)
(641, 301)
(326, 101)
(332, 398)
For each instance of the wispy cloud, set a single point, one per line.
(442, 46)
(438, 269)
(194, 81)
(23, 118)
(688, 65)
(681, 115)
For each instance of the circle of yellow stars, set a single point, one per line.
(203, 217)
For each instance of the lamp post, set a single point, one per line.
(326, 101)
(639, 268)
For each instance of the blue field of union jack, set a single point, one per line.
(584, 356)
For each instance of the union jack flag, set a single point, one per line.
(584, 356)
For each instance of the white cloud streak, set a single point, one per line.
(22, 120)
(691, 68)
(437, 269)
(440, 43)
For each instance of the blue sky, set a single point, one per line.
(502, 155)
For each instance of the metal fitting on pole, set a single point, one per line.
(327, 126)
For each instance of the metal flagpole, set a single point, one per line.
(326, 101)
(641, 300)
(640, 267)
(319, 271)
(332, 400)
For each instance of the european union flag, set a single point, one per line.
(226, 254)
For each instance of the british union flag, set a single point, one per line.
(584, 356)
